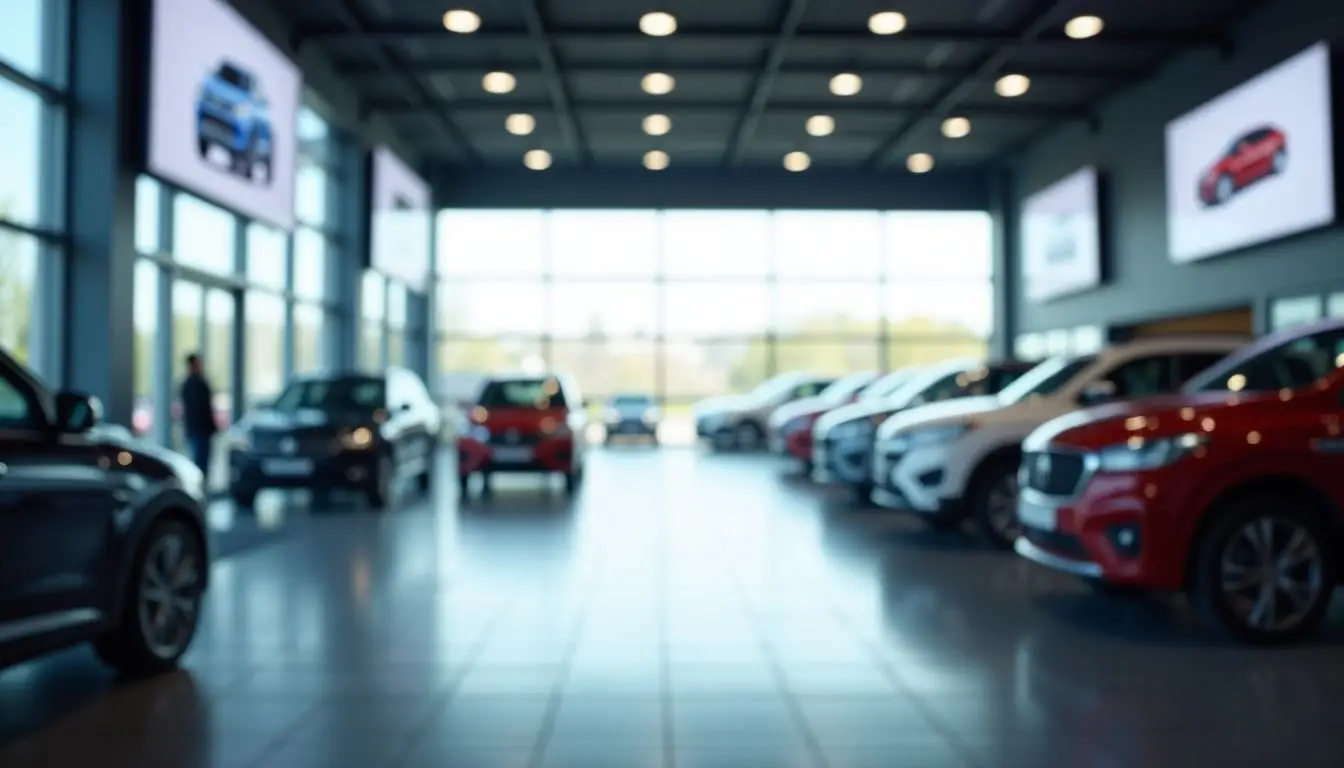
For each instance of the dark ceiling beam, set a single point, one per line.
(688, 36)
(529, 67)
(1043, 15)
(555, 82)
(790, 17)
(414, 89)
(493, 106)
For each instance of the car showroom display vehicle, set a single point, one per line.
(631, 415)
(738, 422)
(1255, 156)
(338, 431)
(955, 461)
(1231, 491)
(790, 425)
(102, 535)
(232, 114)
(524, 424)
(843, 439)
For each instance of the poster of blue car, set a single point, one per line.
(233, 123)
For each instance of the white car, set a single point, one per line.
(793, 420)
(739, 421)
(952, 461)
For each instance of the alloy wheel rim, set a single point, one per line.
(169, 595)
(1001, 506)
(1272, 573)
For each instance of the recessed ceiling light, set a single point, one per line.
(820, 125)
(657, 125)
(461, 22)
(920, 162)
(656, 160)
(520, 124)
(499, 82)
(658, 83)
(956, 127)
(797, 161)
(1083, 27)
(886, 23)
(1012, 86)
(846, 84)
(537, 159)
(657, 24)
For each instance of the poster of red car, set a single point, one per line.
(1254, 156)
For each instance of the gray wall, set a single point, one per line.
(1129, 150)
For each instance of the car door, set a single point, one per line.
(56, 517)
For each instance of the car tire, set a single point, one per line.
(748, 436)
(993, 502)
(379, 492)
(1231, 543)
(245, 498)
(1223, 189)
(166, 585)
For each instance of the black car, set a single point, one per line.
(102, 535)
(351, 431)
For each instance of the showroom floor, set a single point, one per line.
(688, 610)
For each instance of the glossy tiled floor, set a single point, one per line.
(686, 610)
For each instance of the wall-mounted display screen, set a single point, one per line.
(222, 109)
(402, 217)
(1254, 164)
(1061, 237)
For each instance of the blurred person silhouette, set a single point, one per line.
(198, 413)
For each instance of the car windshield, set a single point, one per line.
(631, 401)
(844, 388)
(540, 394)
(771, 389)
(1291, 364)
(887, 385)
(234, 76)
(348, 394)
(1045, 379)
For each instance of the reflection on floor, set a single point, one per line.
(685, 610)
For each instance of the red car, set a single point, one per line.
(1258, 154)
(1232, 491)
(523, 423)
(790, 425)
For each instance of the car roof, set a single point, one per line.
(1279, 338)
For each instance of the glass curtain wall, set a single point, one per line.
(34, 100)
(691, 304)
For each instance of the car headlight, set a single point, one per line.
(554, 428)
(652, 415)
(1140, 454)
(357, 439)
(242, 110)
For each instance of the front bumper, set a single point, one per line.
(346, 469)
(637, 427)
(918, 476)
(554, 454)
(846, 462)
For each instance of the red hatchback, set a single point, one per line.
(1256, 155)
(528, 424)
(1232, 491)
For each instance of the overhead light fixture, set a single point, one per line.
(462, 22)
(658, 83)
(920, 162)
(657, 24)
(820, 125)
(886, 23)
(657, 125)
(520, 124)
(1083, 27)
(797, 161)
(537, 159)
(1012, 86)
(499, 82)
(656, 160)
(846, 84)
(956, 127)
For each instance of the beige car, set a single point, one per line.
(738, 422)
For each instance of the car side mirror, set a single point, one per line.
(77, 413)
(1097, 392)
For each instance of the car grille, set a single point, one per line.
(1054, 473)
(514, 437)
(306, 443)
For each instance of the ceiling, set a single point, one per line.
(748, 74)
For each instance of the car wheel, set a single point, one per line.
(245, 498)
(747, 436)
(380, 490)
(1280, 161)
(1223, 188)
(161, 609)
(994, 503)
(1264, 571)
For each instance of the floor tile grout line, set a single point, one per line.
(557, 695)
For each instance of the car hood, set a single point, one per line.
(937, 414)
(864, 409)
(121, 438)
(1148, 417)
(808, 406)
(304, 418)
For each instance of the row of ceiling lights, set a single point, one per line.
(662, 24)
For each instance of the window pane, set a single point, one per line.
(828, 309)
(314, 136)
(828, 243)
(266, 256)
(491, 309)
(146, 318)
(265, 350)
(202, 235)
(396, 304)
(20, 152)
(940, 309)
(716, 309)
(396, 347)
(1088, 339)
(219, 310)
(18, 283)
(716, 244)
(371, 335)
(901, 353)
(602, 243)
(941, 244)
(310, 264)
(1029, 346)
(373, 296)
(309, 327)
(147, 215)
(604, 309)
(604, 368)
(499, 243)
(701, 369)
(310, 193)
(1334, 305)
(481, 356)
(187, 301)
(25, 41)
(1290, 313)
(829, 358)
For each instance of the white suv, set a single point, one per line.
(739, 421)
(957, 460)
